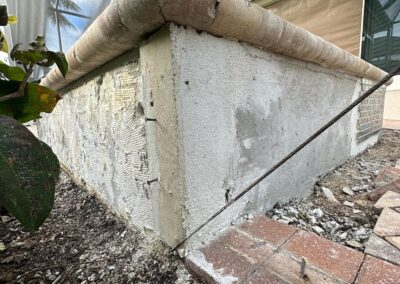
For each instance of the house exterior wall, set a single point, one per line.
(98, 133)
(392, 101)
(370, 113)
(241, 110)
(225, 113)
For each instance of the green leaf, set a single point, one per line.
(39, 43)
(37, 99)
(14, 50)
(28, 174)
(3, 43)
(12, 73)
(34, 56)
(61, 61)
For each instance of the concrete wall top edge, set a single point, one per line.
(124, 24)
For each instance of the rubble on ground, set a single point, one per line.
(340, 208)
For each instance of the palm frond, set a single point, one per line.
(68, 5)
(63, 21)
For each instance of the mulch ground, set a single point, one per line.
(83, 242)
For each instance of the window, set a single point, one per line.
(381, 33)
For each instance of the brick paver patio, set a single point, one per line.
(267, 251)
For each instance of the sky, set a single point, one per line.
(69, 36)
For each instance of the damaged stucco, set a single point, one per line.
(98, 133)
(221, 114)
(240, 110)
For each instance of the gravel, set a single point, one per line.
(338, 208)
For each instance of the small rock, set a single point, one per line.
(50, 276)
(2, 247)
(356, 211)
(329, 195)
(248, 217)
(317, 212)
(360, 178)
(5, 219)
(293, 212)
(92, 277)
(343, 236)
(349, 204)
(360, 188)
(318, 229)
(348, 191)
(312, 220)
(181, 252)
(397, 164)
(112, 267)
(354, 244)
(361, 232)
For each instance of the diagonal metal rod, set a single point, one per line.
(294, 152)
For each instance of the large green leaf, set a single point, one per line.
(37, 99)
(28, 173)
(61, 62)
(12, 73)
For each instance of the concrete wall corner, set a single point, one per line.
(166, 164)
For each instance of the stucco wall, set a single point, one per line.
(226, 112)
(98, 132)
(240, 110)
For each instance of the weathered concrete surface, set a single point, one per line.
(226, 112)
(240, 110)
(158, 68)
(98, 132)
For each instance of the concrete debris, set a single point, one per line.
(347, 203)
(349, 184)
(354, 244)
(361, 188)
(328, 194)
(318, 230)
(348, 191)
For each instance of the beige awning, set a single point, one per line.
(338, 21)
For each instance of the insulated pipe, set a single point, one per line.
(125, 23)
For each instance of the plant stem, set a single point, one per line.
(21, 90)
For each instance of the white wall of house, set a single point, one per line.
(392, 101)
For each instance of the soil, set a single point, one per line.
(83, 242)
(349, 225)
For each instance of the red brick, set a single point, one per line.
(257, 251)
(226, 261)
(377, 193)
(376, 271)
(338, 260)
(266, 277)
(387, 175)
(281, 268)
(388, 223)
(271, 231)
